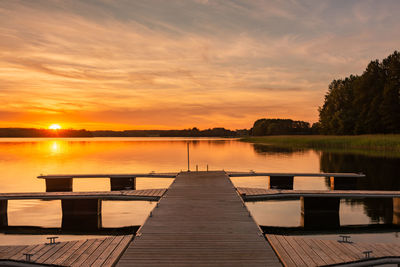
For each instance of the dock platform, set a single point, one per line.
(200, 221)
(89, 252)
(299, 251)
(146, 194)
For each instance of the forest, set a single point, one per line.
(364, 104)
(264, 127)
(194, 132)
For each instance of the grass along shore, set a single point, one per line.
(381, 144)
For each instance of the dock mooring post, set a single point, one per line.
(281, 182)
(58, 184)
(188, 157)
(343, 183)
(81, 214)
(122, 183)
(320, 212)
(3, 213)
(396, 211)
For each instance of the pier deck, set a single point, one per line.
(253, 194)
(89, 252)
(200, 221)
(299, 251)
(145, 194)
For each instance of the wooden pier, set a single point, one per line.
(200, 221)
(146, 194)
(300, 251)
(90, 252)
(341, 181)
(254, 194)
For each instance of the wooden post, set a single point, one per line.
(343, 183)
(122, 183)
(396, 211)
(3, 213)
(188, 160)
(320, 212)
(281, 182)
(59, 185)
(81, 214)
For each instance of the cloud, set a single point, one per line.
(130, 64)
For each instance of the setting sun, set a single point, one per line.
(55, 127)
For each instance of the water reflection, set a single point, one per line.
(273, 150)
(381, 174)
(22, 159)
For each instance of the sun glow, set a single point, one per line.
(55, 127)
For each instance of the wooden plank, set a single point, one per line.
(280, 251)
(317, 250)
(88, 252)
(69, 253)
(53, 249)
(107, 251)
(60, 252)
(298, 261)
(392, 247)
(329, 252)
(75, 255)
(196, 206)
(311, 253)
(116, 253)
(301, 251)
(261, 193)
(97, 252)
(344, 254)
(153, 194)
(12, 251)
(20, 255)
(35, 251)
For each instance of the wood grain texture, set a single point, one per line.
(200, 221)
(145, 194)
(91, 252)
(248, 193)
(300, 251)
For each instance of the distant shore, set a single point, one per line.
(382, 145)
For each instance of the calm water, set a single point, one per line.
(21, 160)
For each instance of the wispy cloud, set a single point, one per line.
(135, 64)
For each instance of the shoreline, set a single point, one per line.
(372, 145)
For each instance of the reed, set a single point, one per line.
(390, 142)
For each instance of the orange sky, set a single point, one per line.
(178, 64)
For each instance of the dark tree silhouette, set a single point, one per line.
(365, 104)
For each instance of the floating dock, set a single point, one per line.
(200, 221)
(90, 252)
(299, 251)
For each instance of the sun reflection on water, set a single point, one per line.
(55, 147)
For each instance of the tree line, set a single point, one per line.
(365, 104)
(280, 127)
(194, 132)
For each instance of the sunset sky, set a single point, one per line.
(172, 64)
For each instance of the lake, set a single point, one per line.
(23, 159)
